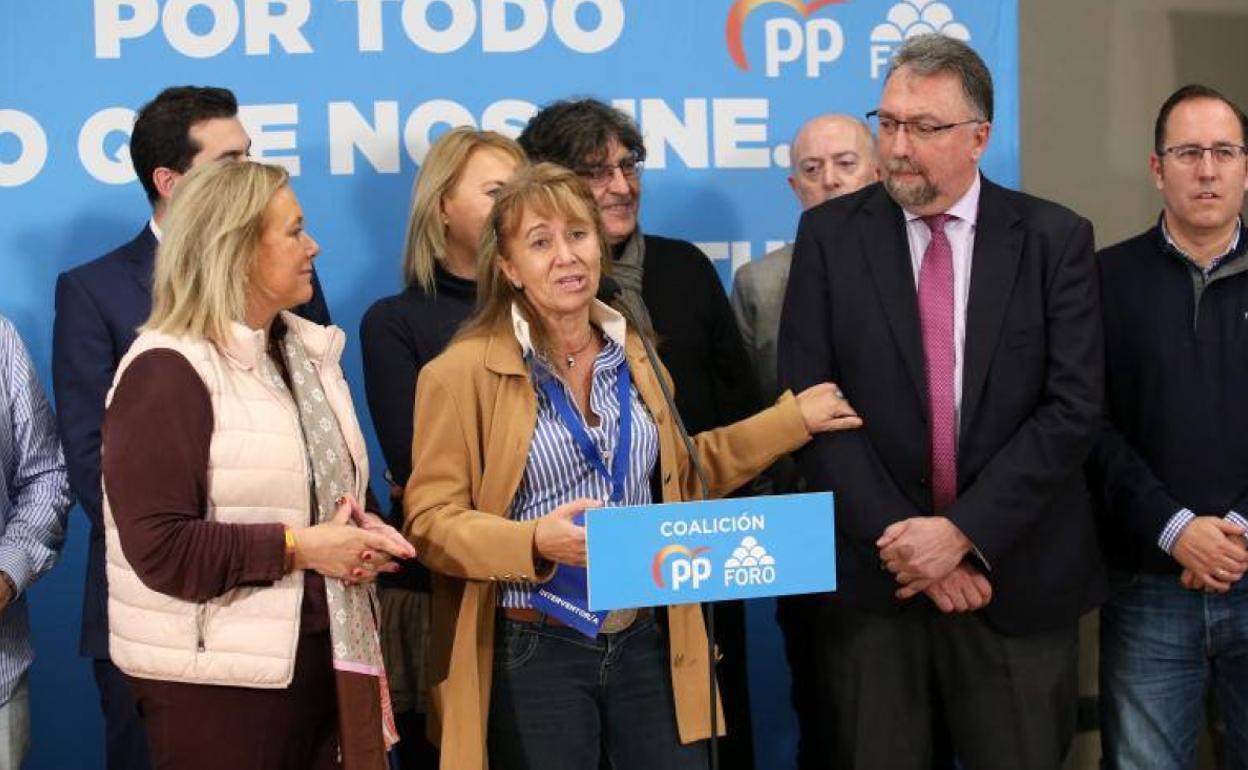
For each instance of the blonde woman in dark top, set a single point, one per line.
(451, 199)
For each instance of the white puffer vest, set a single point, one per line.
(257, 473)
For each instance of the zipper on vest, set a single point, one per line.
(200, 610)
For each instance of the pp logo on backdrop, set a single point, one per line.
(816, 41)
(908, 19)
(749, 565)
(685, 567)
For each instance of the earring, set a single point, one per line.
(518, 286)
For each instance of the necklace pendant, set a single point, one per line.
(571, 361)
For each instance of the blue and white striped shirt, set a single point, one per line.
(34, 498)
(556, 472)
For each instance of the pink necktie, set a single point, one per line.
(936, 319)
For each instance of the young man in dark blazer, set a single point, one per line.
(99, 307)
(961, 319)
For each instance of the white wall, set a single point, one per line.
(1094, 73)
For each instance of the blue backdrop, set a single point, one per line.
(348, 94)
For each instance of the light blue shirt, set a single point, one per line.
(34, 498)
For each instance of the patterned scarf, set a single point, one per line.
(365, 717)
(628, 270)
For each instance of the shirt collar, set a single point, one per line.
(965, 208)
(155, 228)
(247, 346)
(1213, 263)
(601, 315)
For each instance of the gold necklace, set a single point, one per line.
(570, 356)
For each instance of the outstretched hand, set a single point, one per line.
(825, 409)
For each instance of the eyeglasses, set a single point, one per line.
(917, 129)
(1191, 154)
(812, 168)
(598, 176)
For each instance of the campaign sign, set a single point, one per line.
(741, 548)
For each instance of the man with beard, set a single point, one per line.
(671, 286)
(962, 321)
(1172, 465)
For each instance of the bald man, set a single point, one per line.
(831, 155)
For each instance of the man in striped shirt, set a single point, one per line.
(34, 503)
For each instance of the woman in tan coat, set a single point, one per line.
(543, 406)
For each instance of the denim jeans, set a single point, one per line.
(563, 701)
(15, 728)
(1162, 647)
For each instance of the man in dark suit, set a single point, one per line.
(99, 307)
(961, 320)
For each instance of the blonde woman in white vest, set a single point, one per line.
(239, 563)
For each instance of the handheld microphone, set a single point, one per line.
(609, 290)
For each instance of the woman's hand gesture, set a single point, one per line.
(824, 409)
(340, 549)
(558, 538)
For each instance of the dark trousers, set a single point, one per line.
(561, 701)
(125, 737)
(207, 727)
(736, 749)
(801, 648)
(889, 685)
(413, 751)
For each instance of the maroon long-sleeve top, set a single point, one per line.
(157, 435)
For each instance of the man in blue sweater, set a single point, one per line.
(1172, 465)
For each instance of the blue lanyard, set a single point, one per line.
(618, 473)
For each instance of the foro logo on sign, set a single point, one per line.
(749, 565)
(906, 20)
(686, 566)
(821, 39)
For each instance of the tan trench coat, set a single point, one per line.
(476, 412)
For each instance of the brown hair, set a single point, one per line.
(548, 190)
(1188, 93)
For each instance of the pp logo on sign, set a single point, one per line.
(907, 19)
(686, 567)
(749, 565)
(786, 40)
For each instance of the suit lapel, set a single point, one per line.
(887, 251)
(142, 259)
(994, 265)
